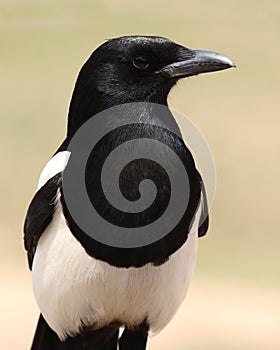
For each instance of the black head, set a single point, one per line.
(135, 69)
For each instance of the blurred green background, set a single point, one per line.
(233, 301)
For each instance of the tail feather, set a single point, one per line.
(103, 339)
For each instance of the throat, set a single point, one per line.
(85, 105)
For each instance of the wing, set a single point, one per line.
(40, 214)
(204, 218)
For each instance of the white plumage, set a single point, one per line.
(71, 287)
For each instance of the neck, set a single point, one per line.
(87, 101)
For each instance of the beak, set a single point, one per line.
(199, 61)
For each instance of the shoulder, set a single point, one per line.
(42, 207)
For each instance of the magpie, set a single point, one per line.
(86, 290)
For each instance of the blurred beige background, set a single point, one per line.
(234, 300)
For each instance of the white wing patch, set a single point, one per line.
(54, 166)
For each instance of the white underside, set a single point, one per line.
(72, 288)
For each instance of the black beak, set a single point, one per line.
(198, 61)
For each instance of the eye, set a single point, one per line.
(140, 62)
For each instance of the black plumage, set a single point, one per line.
(123, 70)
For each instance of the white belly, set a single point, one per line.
(70, 286)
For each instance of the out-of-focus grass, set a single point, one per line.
(43, 45)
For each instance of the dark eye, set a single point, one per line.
(140, 62)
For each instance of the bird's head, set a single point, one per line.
(136, 69)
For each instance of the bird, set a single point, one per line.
(88, 292)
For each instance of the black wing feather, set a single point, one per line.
(40, 214)
(204, 218)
